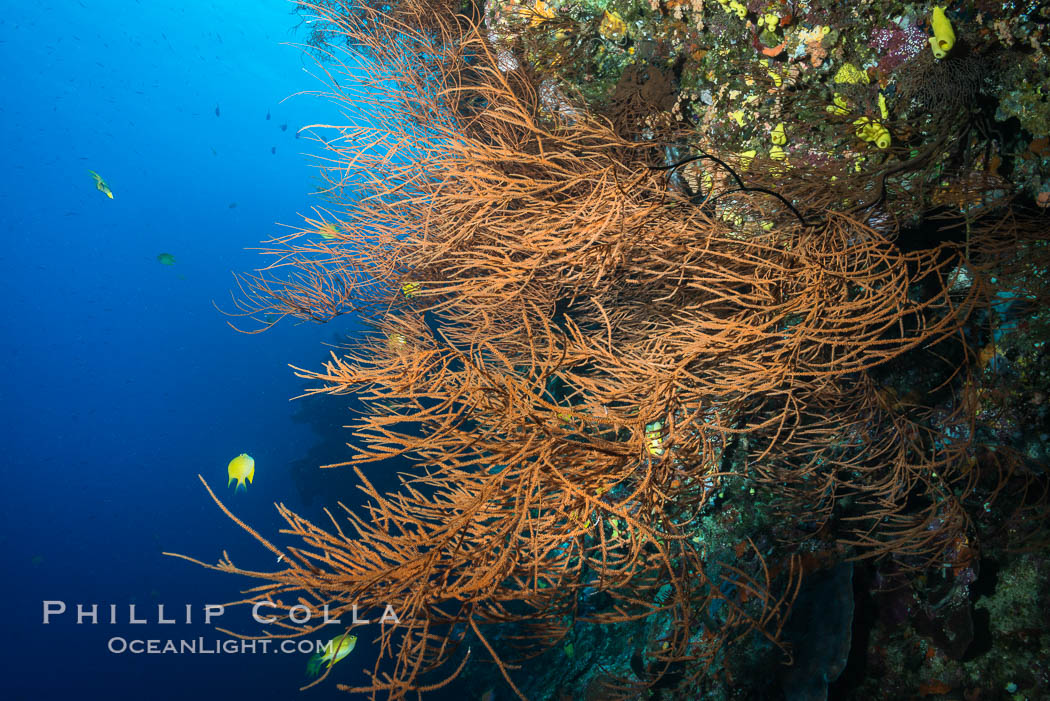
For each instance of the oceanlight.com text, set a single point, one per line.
(213, 646)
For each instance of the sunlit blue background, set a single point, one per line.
(121, 381)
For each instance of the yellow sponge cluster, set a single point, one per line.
(943, 38)
(875, 132)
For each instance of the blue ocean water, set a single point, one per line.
(122, 381)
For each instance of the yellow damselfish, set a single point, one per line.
(335, 649)
(241, 468)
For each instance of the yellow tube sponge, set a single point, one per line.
(612, 27)
(872, 131)
(777, 136)
(882, 137)
(838, 105)
(943, 38)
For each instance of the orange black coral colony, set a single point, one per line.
(657, 360)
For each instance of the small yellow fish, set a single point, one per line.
(328, 231)
(101, 185)
(987, 356)
(336, 649)
(241, 468)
